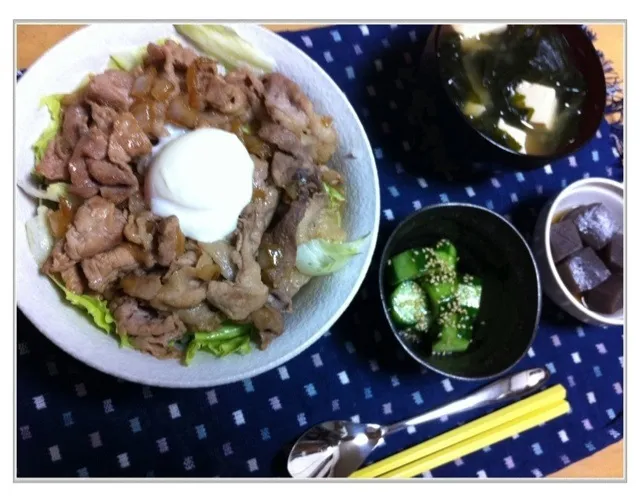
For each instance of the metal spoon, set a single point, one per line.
(339, 448)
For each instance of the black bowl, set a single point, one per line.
(491, 248)
(480, 151)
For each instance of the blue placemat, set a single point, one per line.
(74, 421)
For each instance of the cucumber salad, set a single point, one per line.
(431, 300)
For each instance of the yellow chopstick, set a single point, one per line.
(478, 442)
(555, 394)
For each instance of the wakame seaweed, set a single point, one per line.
(482, 74)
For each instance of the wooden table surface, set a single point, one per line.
(34, 40)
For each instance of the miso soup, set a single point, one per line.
(517, 84)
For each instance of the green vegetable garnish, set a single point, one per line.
(54, 105)
(335, 196)
(229, 338)
(124, 339)
(95, 307)
(320, 257)
(336, 201)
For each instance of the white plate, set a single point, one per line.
(317, 306)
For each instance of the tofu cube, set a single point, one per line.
(543, 101)
(518, 134)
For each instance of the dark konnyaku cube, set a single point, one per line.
(613, 253)
(583, 271)
(607, 297)
(564, 240)
(595, 224)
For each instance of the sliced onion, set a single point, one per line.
(143, 83)
(53, 191)
(162, 89)
(39, 235)
(181, 114)
(220, 252)
(320, 257)
(150, 116)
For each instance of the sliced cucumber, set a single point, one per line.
(452, 330)
(450, 342)
(440, 279)
(445, 250)
(439, 292)
(469, 294)
(408, 265)
(418, 262)
(409, 306)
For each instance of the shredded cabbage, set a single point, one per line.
(320, 257)
(335, 196)
(39, 235)
(124, 339)
(54, 105)
(41, 243)
(96, 308)
(336, 200)
(126, 60)
(229, 338)
(54, 192)
(224, 44)
(129, 60)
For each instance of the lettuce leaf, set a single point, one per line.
(336, 202)
(229, 338)
(96, 308)
(239, 345)
(320, 257)
(54, 105)
(124, 339)
(335, 196)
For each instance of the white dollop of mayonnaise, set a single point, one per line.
(205, 179)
